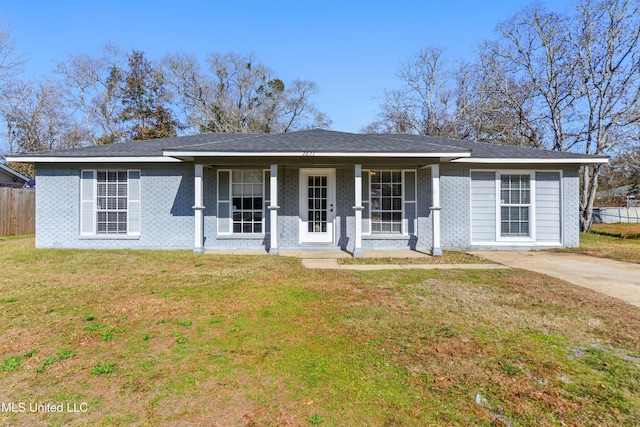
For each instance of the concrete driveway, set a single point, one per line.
(614, 278)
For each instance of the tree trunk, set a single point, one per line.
(590, 178)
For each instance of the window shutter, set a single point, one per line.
(366, 213)
(267, 201)
(410, 202)
(87, 202)
(224, 202)
(134, 202)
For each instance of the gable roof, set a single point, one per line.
(316, 142)
(13, 173)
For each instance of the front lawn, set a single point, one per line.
(173, 338)
(624, 230)
(619, 249)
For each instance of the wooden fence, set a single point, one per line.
(17, 211)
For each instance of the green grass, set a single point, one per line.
(261, 341)
(19, 237)
(103, 368)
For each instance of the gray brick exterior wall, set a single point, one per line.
(455, 200)
(166, 214)
(571, 208)
(167, 217)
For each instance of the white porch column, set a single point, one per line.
(198, 211)
(273, 210)
(358, 208)
(436, 250)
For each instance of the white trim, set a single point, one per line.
(507, 160)
(310, 153)
(358, 208)
(561, 201)
(304, 237)
(519, 243)
(531, 238)
(230, 201)
(94, 210)
(84, 200)
(130, 201)
(436, 244)
(113, 159)
(272, 208)
(403, 227)
(198, 208)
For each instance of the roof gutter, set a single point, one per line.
(507, 160)
(95, 159)
(195, 154)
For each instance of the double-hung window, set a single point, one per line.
(110, 202)
(515, 205)
(386, 202)
(112, 206)
(241, 201)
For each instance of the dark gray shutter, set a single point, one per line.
(410, 201)
(366, 213)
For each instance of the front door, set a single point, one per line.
(317, 205)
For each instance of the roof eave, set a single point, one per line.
(16, 174)
(93, 159)
(420, 155)
(537, 161)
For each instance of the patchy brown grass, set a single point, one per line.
(260, 341)
(626, 250)
(621, 229)
(448, 257)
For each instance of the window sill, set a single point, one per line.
(385, 236)
(110, 237)
(240, 236)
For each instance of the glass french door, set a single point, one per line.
(317, 205)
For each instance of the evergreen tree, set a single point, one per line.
(143, 99)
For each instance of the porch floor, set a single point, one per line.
(329, 253)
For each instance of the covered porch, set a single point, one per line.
(320, 204)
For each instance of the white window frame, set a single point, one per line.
(404, 228)
(100, 209)
(89, 203)
(531, 206)
(265, 199)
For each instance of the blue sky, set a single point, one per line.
(351, 49)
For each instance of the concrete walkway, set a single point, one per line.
(328, 260)
(614, 278)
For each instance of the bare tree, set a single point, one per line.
(423, 104)
(607, 50)
(43, 123)
(238, 94)
(10, 62)
(15, 97)
(534, 48)
(93, 86)
(583, 71)
(473, 101)
(11, 89)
